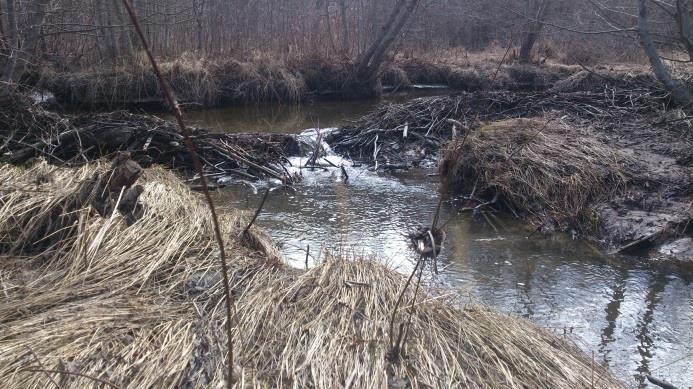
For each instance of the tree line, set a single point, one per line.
(70, 35)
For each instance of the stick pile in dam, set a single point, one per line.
(399, 136)
(27, 131)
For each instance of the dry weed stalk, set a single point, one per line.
(173, 104)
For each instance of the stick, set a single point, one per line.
(35, 370)
(399, 301)
(344, 174)
(510, 45)
(42, 367)
(435, 255)
(170, 98)
(660, 383)
(257, 212)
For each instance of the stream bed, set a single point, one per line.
(636, 316)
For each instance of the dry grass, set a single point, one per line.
(140, 306)
(127, 304)
(329, 327)
(538, 166)
(484, 74)
(261, 80)
(196, 81)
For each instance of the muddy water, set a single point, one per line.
(293, 118)
(635, 317)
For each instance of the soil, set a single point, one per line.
(657, 208)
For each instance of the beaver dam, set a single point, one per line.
(110, 273)
(595, 155)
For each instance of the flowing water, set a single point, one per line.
(637, 317)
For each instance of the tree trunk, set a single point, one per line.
(13, 38)
(198, 12)
(125, 38)
(345, 26)
(684, 17)
(366, 74)
(679, 93)
(3, 38)
(533, 32)
(25, 50)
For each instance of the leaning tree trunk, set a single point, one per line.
(365, 78)
(679, 93)
(533, 32)
(684, 17)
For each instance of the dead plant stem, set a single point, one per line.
(170, 98)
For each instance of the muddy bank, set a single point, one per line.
(138, 305)
(28, 131)
(612, 165)
(631, 195)
(202, 83)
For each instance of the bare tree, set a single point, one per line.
(13, 39)
(366, 73)
(345, 26)
(679, 92)
(538, 9)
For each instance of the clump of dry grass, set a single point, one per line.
(197, 81)
(329, 327)
(140, 306)
(126, 304)
(395, 77)
(323, 76)
(538, 166)
(482, 75)
(259, 80)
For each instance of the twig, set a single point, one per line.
(35, 370)
(257, 213)
(405, 330)
(42, 367)
(660, 383)
(170, 98)
(510, 45)
(437, 214)
(399, 301)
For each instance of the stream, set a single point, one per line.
(636, 316)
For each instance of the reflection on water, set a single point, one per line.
(292, 118)
(635, 318)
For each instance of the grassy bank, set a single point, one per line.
(140, 305)
(206, 83)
